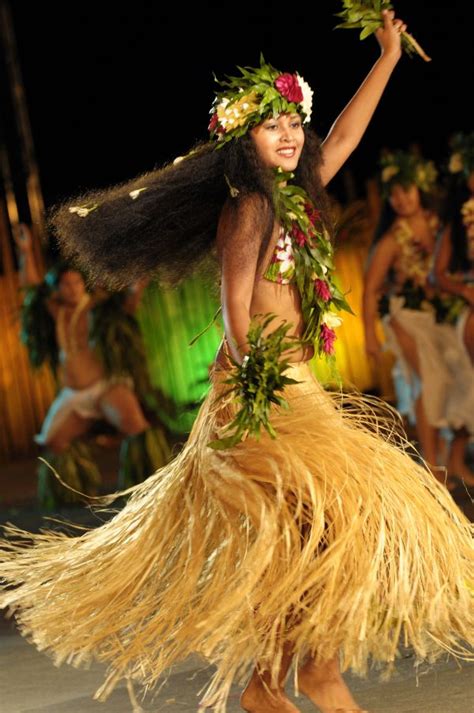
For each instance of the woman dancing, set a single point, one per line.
(319, 547)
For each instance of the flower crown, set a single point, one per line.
(259, 92)
(462, 156)
(407, 168)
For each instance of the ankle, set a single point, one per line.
(327, 672)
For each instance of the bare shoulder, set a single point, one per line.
(240, 220)
(388, 241)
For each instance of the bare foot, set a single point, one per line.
(258, 699)
(326, 689)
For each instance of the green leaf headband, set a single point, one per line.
(260, 92)
(407, 169)
(462, 157)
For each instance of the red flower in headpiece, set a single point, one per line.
(322, 290)
(288, 86)
(327, 337)
(214, 124)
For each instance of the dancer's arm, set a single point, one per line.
(350, 126)
(380, 264)
(443, 277)
(29, 272)
(134, 295)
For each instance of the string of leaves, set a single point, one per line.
(256, 384)
(314, 259)
(38, 331)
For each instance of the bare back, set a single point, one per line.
(245, 293)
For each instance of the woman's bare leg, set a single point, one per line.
(72, 426)
(122, 409)
(262, 695)
(427, 434)
(324, 685)
(468, 335)
(456, 462)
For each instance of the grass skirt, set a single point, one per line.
(330, 536)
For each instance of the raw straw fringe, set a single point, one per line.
(330, 536)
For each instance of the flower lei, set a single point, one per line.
(313, 257)
(406, 169)
(258, 93)
(461, 161)
(416, 261)
(467, 212)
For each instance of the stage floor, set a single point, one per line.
(30, 683)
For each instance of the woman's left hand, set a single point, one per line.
(390, 35)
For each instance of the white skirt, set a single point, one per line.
(446, 378)
(84, 402)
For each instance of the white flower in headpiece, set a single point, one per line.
(331, 320)
(456, 163)
(389, 172)
(236, 115)
(134, 194)
(82, 211)
(178, 159)
(307, 102)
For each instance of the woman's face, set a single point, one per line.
(279, 141)
(405, 200)
(71, 287)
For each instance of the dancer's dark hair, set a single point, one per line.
(168, 230)
(458, 193)
(388, 215)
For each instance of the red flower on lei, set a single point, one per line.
(322, 290)
(313, 214)
(327, 337)
(298, 236)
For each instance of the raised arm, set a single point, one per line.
(380, 263)
(443, 277)
(29, 272)
(349, 127)
(238, 242)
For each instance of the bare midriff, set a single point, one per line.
(79, 366)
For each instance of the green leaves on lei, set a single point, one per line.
(366, 15)
(314, 262)
(257, 383)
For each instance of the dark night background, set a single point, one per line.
(115, 91)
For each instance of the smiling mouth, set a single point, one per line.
(288, 152)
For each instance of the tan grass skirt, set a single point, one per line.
(330, 536)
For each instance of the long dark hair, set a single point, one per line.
(168, 230)
(458, 193)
